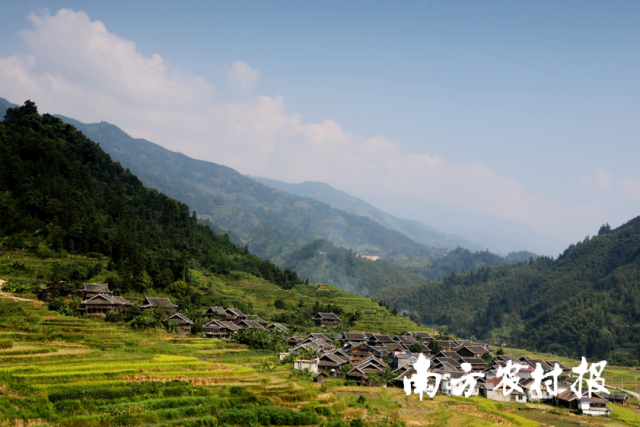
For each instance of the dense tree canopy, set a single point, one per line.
(587, 302)
(59, 191)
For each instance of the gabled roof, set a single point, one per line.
(329, 359)
(532, 362)
(157, 302)
(407, 339)
(451, 354)
(220, 324)
(365, 345)
(97, 287)
(423, 335)
(472, 360)
(553, 362)
(368, 360)
(250, 324)
(178, 318)
(218, 311)
(408, 372)
(319, 336)
(106, 299)
(382, 338)
(507, 357)
(474, 349)
(567, 396)
(279, 327)
(326, 316)
(354, 336)
(257, 318)
(235, 312)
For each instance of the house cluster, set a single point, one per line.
(370, 352)
(363, 352)
(223, 323)
(98, 299)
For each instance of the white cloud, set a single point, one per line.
(242, 77)
(79, 69)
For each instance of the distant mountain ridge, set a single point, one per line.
(270, 222)
(338, 199)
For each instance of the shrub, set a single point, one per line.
(15, 288)
(279, 304)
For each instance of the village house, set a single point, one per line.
(362, 351)
(250, 324)
(353, 338)
(216, 312)
(102, 304)
(326, 319)
(220, 329)
(595, 405)
(332, 363)
(90, 290)
(159, 303)
(182, 322)
(234, 315)
(423, 337)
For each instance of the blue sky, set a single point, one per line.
(544, 96)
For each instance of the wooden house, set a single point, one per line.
(423, 337)
(471, 351)
(102, 304)
(619, 399)
(407, 340)
(216, 312)
(234, 315)
(294, 341)
(220, 329)
(448, 345)
(352, 338)
(361, 351)
(477, 364)
(90, 290)
(380, 340)
(332, 363)
(326, 319)
(159, 303)
(183, 322)
(250, 324)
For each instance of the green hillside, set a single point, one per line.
(61, 193)
(415, 230)
(272, 223)
(587, 302)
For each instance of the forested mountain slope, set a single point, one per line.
(59, 191)
(587, 302)
(272, 223)
(415, 230)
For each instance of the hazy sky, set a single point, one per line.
(524, 111)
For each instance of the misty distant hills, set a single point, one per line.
(415, 230)
(270, 222)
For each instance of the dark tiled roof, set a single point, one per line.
(251, 324)
(178, 318)
(96, 287)
(106, 299)
(157, 302)
(235, 312)
(219, 311)
(383, 338)
(423, 335)
(352, 336)
(405, 339)
(327, 316)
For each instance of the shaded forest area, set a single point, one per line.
(60, 192)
